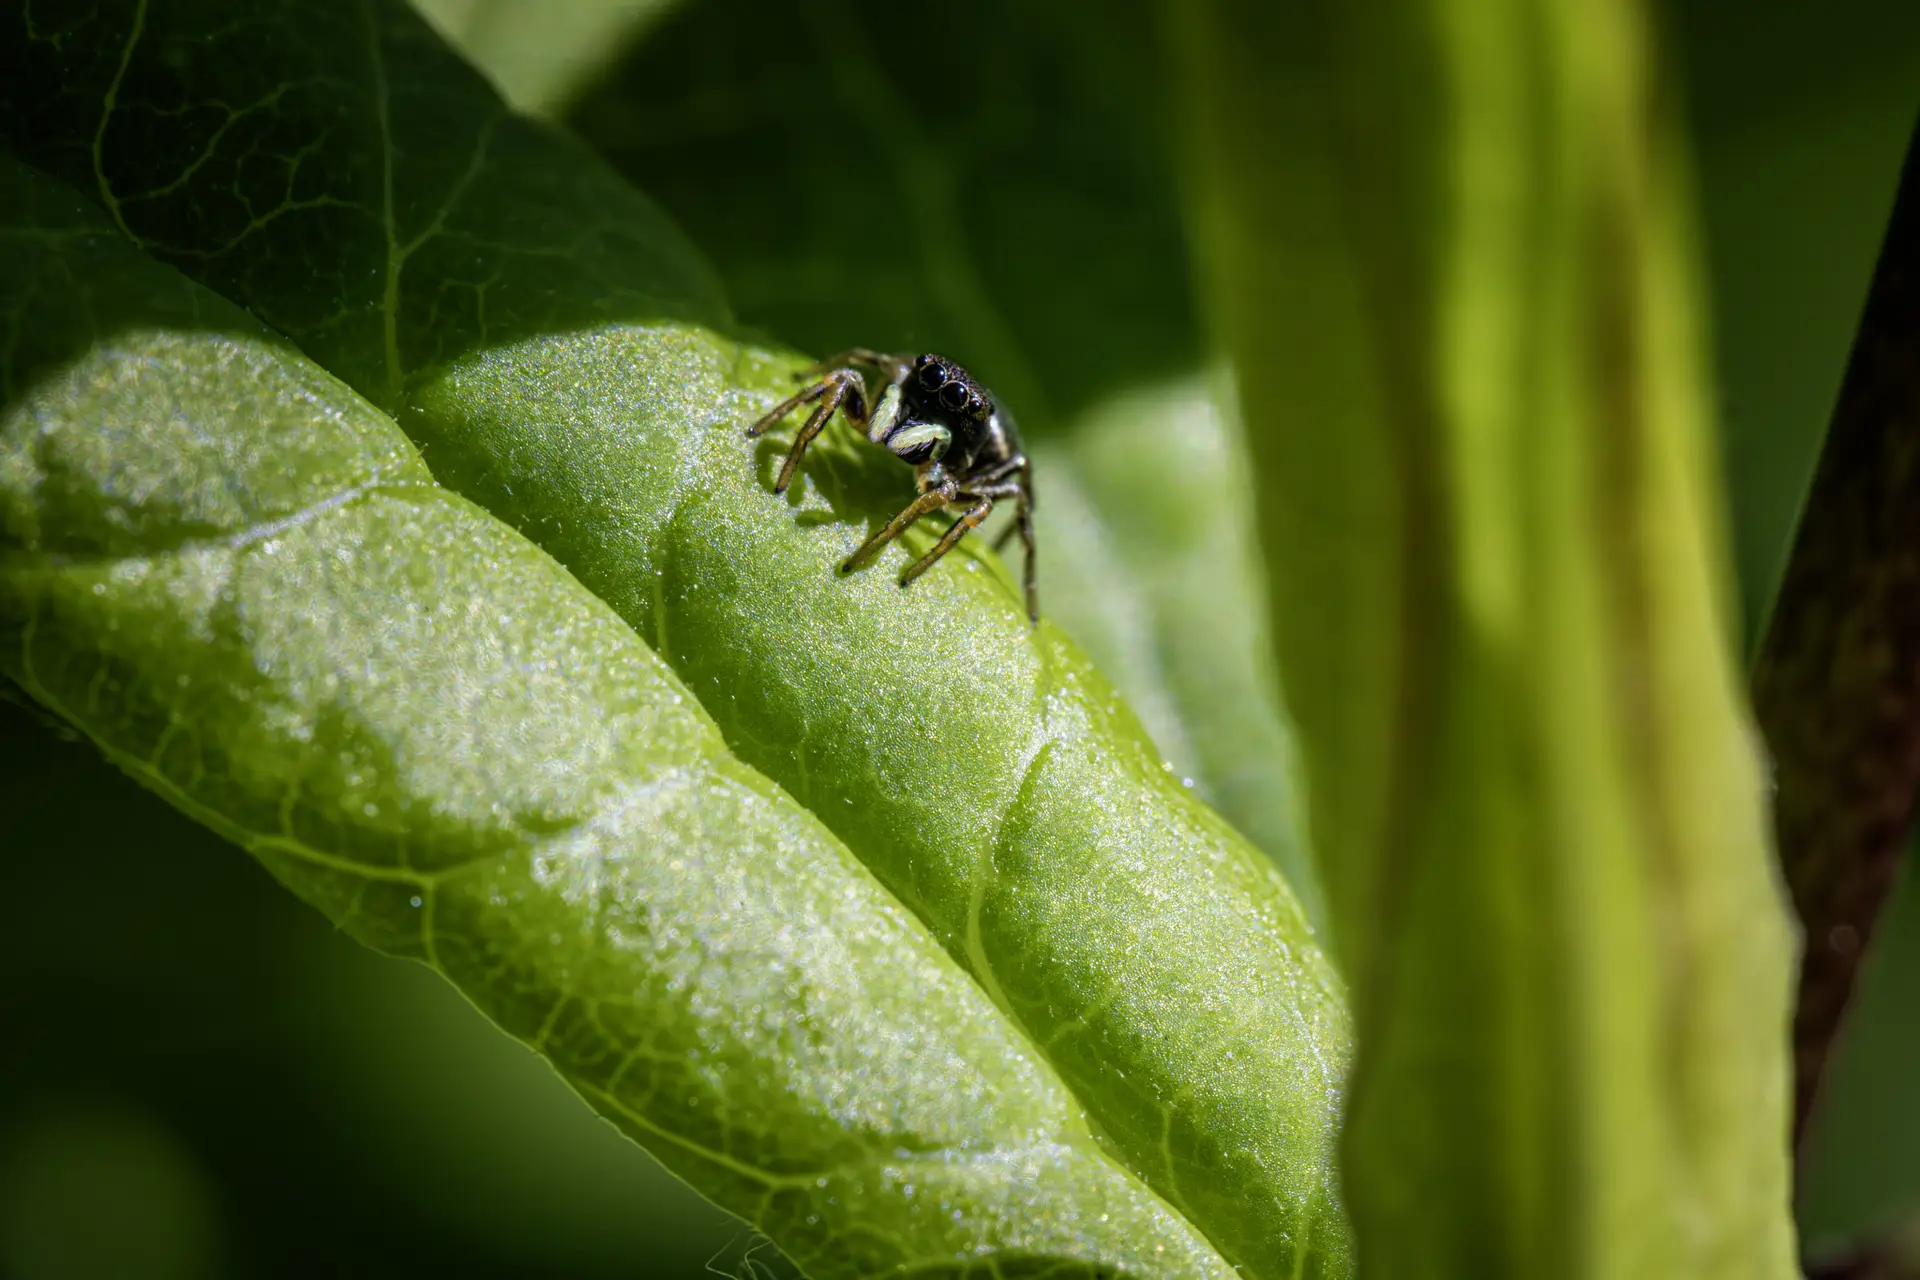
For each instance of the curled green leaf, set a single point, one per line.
(988, 775)
(240, 580)
(553, 348)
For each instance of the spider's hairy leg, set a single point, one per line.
(936, 496)
(895, 367)
(847, 393)
(975, 513)
(839, 390)
(1021, 491)
(803, 396)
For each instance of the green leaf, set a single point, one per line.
(1147, 549)
(240, 580)
(366, 195)
(536, 328)
(1448, 249)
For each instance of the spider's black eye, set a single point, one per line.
(976, 407)
(953, 397)
(931, 375)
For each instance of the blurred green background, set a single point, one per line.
(199, 1078)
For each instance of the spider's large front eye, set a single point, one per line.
(931, 374)
(953, 397)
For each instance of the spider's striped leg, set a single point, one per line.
(937, 495)
(805, 395)
(981, 504)
(895, 367)
(840, 390)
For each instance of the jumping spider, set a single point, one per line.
(963, 447)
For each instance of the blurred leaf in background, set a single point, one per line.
(74, 1164)
(983, 179)
(1799, 118)
(1861, 1175)
(538, 53)
(1451, 251)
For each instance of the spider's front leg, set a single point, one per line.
(937, 489)
(894, 367)
(979, 505)
(980, 498)
(841, 388)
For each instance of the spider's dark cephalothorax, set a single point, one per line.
(935, 416)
